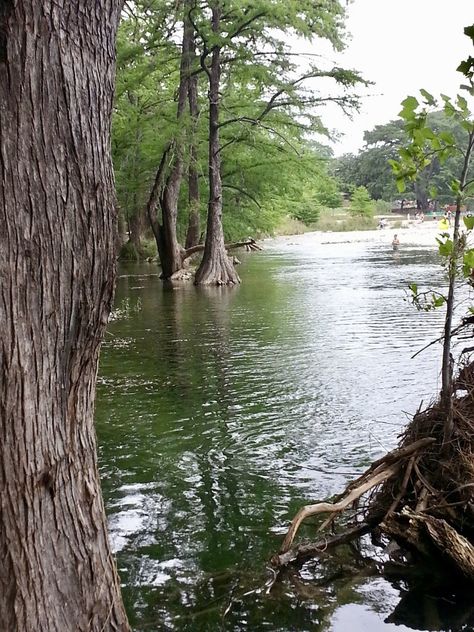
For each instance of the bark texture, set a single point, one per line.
(216, 267)
(57, 271)
(194, 230)
(169, 249)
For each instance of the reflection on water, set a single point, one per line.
(221, 411)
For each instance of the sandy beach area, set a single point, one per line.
(411, 233)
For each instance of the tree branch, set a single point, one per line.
(232, 186)
(251, 244)
(156, 191)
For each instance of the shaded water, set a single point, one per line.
(221, 411)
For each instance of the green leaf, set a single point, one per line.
(428, 97)
(465, 66)
(413, 288)
(469, 31)
(396, 167)
(438, 301)
(410, 103)
(445, 249)
(409, 106)
(447, 138)
(404, 153)
(468, 126)
(462, 104)
(468, 258)
(455, 186)
(401, 185)
(468, 222)
(418, 137)
(428, 133)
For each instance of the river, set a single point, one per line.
(221, 411)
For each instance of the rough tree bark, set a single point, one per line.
(194, 230)
(57, 271)
(169, 249)
(137, 224)
(216, 267)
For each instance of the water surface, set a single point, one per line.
(221, 411)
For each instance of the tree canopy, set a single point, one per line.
(270, 102)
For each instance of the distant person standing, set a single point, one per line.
(395, 242)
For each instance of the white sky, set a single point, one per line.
(402, 46)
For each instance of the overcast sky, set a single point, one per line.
(401, 46)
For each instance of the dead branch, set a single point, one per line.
(379, 471)
(249, 244)
(305, 551)
(403, 488)
(312, 510)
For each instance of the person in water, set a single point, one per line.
(395, 242)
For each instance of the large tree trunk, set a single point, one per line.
(137, 224)
(194, 230)
(57, 267)
(169, 249)
(216, 267)
(421, 197)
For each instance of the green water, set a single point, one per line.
(221, 411)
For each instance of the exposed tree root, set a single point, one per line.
(312, 510)
(420, 495)
(378, 472)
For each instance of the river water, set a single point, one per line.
(221, 411)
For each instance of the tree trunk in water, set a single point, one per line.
(137, 225)
(136, 213)
(57, 263)
(216, 267)
(194, 229)
(168, 246)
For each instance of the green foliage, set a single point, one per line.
(382, 207)
(344, 223)
(269, 101)
(469, 223)
(434, 142)
(446, 152)
(361, 203)
(372, 166)
(147, 250)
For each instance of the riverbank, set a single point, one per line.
(411, 233)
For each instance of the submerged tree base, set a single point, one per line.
(419, 497)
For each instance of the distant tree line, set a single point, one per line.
(371, 167)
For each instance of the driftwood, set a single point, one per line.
(304, 551)
(380, 470)
(312, 510)
(420, 496)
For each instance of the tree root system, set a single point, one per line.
(418, 498)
